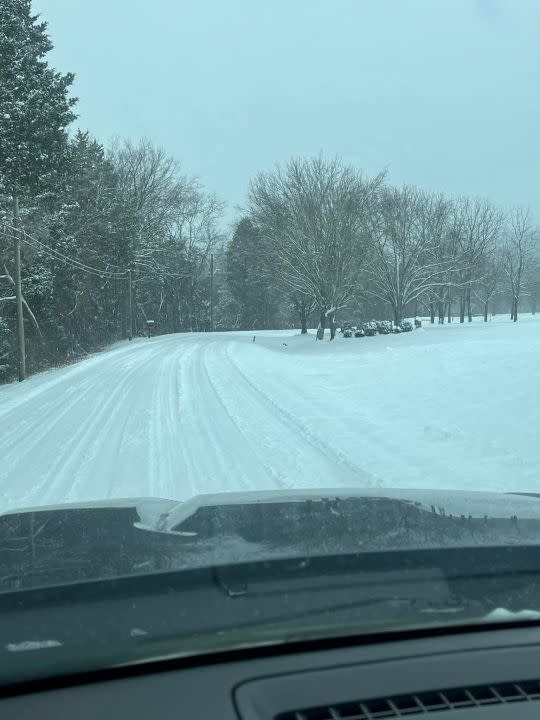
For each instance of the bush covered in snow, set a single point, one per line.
(370, 328)
(374, 327)
(384, 327)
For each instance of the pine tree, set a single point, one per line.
(249, 279)
(35, 109)
(77, 219)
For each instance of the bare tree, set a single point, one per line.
(532, 282)
(170, 234)
(314, 215)
(408, 234)
(443, 248)
(476, 225)
(518, 246)
(490, 280)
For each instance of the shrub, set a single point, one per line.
(347, 333)
(396, 329)
(359, 333)
(370, 328)
(384, 327)
(345, 325)
(406, 326)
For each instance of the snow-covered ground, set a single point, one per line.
(445, 406)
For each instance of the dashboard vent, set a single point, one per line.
(400, 706)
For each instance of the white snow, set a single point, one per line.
(501, 614)
(454, 407)
(33, 645)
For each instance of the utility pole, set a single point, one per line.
(212, 292)
(130, 307)
(18, 291)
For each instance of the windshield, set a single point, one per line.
(269, 281)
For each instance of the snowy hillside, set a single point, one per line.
(444, 406)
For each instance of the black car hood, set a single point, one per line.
(68, 543)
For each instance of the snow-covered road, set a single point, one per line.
(185, 414)
(169, 417)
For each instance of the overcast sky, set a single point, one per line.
(444, 93)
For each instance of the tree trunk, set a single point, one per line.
(301, 307)
(462, 308)
(397, 314)
(486, 304)
(135, 310)
(322, 324)
(469, 311)
(515, 309)
(332, 319)
(432, 313)
(449, 312)
(130, 306)
(303, 320)
(212, 292)
(441, 313)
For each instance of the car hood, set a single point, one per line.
(67, 543)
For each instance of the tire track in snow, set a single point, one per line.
(94, 459)
(35, 428)
(251, 456)
(168, 457)
(289, 438)
(50, 452)
(313, 440)
(173, 417)
(47, 382)
(221, 458)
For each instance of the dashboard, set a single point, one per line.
(467, 675)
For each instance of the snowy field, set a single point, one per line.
(442, 407)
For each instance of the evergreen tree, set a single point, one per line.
(250, 282)
(81, 220)
(35, 109)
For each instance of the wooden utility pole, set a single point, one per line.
(212, 292)
(130, 307)
(18, 291)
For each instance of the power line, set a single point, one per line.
(72, 262)
(83, 267)
(162, 272)
(32, 241)
(75, 264)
